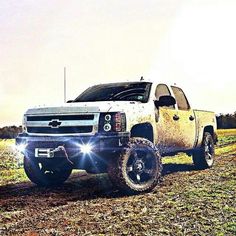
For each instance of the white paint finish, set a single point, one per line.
(174, 135)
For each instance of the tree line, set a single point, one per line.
(9, 132)
(224, 121)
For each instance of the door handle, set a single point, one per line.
(175, 117)
(191, 118)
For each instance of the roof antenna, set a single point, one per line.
(65, 84)
(141, 79)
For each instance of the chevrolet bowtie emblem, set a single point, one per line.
(54, 123)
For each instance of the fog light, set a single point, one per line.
(21, 147)
(86, 148)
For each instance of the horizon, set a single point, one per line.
(190, 43)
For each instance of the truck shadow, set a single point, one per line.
(79, 187)
(173, 168)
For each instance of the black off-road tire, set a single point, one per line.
(36, 172)
(137, 169)
(204, 157)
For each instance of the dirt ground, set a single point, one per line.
(187, 202)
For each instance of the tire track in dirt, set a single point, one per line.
(226, 144)
(90, 204)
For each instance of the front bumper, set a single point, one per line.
(100, 143)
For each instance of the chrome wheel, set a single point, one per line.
(209, 152)
(141, 166)
(138, 167)
(204, 156)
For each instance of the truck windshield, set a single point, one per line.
(116, 92)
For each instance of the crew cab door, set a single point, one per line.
(167, 128)
(186, 119)
(175, 125)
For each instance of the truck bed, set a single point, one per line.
(203, 119)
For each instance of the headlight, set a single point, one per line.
(21, 147)
(107, 127)
(107, 117)
(112, 122)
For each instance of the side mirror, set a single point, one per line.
(166, 100)
(70, 101)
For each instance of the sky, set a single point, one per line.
(191, 43)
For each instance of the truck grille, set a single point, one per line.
(60, 130)
(60, 117)
(62, 124)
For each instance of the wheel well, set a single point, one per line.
(209, 129)
(143, 130)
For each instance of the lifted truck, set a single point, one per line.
(121, 129)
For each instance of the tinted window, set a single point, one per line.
(116, 92)
(181, 99)
(162, 90)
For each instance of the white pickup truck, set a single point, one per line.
(119, 128)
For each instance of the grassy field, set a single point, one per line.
(187, 202)
(11, 163)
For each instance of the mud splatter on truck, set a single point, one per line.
(119, 128)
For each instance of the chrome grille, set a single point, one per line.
(62, 124)
(60, 117)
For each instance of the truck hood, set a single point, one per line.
(84, 107)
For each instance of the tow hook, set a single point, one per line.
(62, 148)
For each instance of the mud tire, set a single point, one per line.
(119, 168)
(42, 177)
(203, 158)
